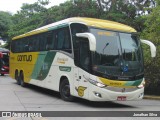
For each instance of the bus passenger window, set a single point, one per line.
(61, 38)
(64, 40)
(35, 43)
(42, 40)
(50, 41)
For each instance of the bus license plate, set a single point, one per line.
(121, 98)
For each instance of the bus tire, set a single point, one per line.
(21, 79)
(65, 91)
(17, 78)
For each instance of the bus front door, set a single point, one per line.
(81, 72)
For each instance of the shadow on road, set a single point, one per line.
(79, 101)
(107, 104)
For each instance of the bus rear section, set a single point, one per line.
(4, 63)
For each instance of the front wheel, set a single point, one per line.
(65, 91)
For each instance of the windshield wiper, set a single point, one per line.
(105, 47)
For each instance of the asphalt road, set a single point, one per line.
(31, 98)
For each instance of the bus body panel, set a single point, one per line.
(47, 68)
(63, 65)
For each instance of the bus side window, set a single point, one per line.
(17, 46)
(81, 53)
(30, 44)
(67, 42)
(64, 40)
(35, 43)
(60, 39)
(25, 44)
(42, 40)
(84, 54)
(50, 40)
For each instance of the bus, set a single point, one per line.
(94, 59)
(4, 61)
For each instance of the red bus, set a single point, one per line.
(4, 61)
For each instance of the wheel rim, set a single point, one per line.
(66, 91)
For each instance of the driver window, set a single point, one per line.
(84, 54)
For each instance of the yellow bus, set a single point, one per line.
(93, 59)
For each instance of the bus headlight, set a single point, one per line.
(141, 85)
(94, 82)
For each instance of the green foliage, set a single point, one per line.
(31, 16)
(5, 23)
(152, 32)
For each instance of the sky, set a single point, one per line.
(13, 6)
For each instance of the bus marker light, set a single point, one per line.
(97, 94)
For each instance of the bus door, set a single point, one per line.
(81, 72)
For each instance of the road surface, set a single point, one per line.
(31, 98)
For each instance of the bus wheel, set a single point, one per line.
(17, 78)
(21, 79)
(65, 91)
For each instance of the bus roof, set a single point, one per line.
(99, 23)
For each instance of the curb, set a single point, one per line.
(151, 97)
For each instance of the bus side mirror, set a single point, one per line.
(152, 47)
(91, 38)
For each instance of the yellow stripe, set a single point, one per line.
(30, 33)
(105, 24)
(115, 83)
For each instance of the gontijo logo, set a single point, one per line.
(27, 58)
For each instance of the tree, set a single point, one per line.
(81, 8)
(126, 11)
(5, 23)
(31, 16)
(152, 32)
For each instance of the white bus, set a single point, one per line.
(94, 59)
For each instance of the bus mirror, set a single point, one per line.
(152, 47)
(91, 38)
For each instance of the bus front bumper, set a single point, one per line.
(115, 94)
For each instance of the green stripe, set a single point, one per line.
(138, 82)
(129, 83)
(134, 83)
(43, 65)
(65, 68)
(38, 65)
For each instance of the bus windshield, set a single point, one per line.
(5, 59)
(117, 56)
